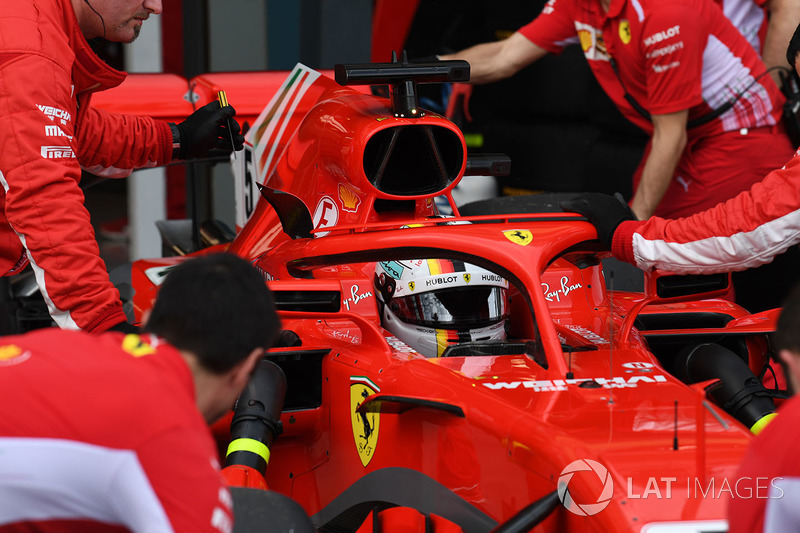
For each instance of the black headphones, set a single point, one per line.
(103, 22)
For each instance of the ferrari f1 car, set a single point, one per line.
(574, 407)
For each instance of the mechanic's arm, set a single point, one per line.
(495, 61)
(667, 144)
(783, 18)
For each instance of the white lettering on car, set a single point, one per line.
(565, 289)
(554, 385)
(355, 297)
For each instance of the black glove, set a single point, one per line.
(206, 131)
(604, 211)
(125, 327)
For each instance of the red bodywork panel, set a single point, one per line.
(471, 438)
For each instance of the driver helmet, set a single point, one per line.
(430, 304)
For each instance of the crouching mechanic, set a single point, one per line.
(431, 304)
(110, 432)
(768, 481)
(49, 132)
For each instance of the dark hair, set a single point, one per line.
(217, 307)
(794, 47)
(787, 334)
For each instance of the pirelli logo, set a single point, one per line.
(57, 152)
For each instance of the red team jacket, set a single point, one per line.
(48, 133)
(102, 433)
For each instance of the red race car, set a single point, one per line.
(469, 373)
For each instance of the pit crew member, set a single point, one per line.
(110, 432)
(767, 25)
(49, 132)
(431, 304)
(679, 70)
(748, 230)
(769, 476)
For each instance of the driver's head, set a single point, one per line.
(432, 303)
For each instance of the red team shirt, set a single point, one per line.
(674, 55)
(116, 443)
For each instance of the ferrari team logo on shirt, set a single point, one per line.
(624, 31)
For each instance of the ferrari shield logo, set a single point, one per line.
(467, 278)
(411, 286)
(522, 237)
(365, 425)
(625, 31)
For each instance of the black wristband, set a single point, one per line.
(176, 141)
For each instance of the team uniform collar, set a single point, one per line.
(616, 7)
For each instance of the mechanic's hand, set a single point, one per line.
(125, 327)
(206, 130)
(604, 211)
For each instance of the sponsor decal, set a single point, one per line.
(399, 346)
(393, 268)
(326, 215)
(11, 354)
(522, 237)
(346, 335)
(264, 274)
(467, 278)
(57, 152)
(549, 7)
(442, 280)
(664, 50)
(587, 334)
(554, 385)
(350, 200)
(365, 425)
(493, 278)
(51, 130)
(412, 286)
(657, 37)
(356, 296)
(591, 40)
(603, 499)
(625, 31)
(664, 68)
(54, 113)
(555, 294)
(638, 365)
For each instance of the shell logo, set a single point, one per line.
(350, 200)
(11, 354)
(585, 509)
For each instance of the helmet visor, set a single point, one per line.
(460, 307)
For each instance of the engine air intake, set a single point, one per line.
(413, 160)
